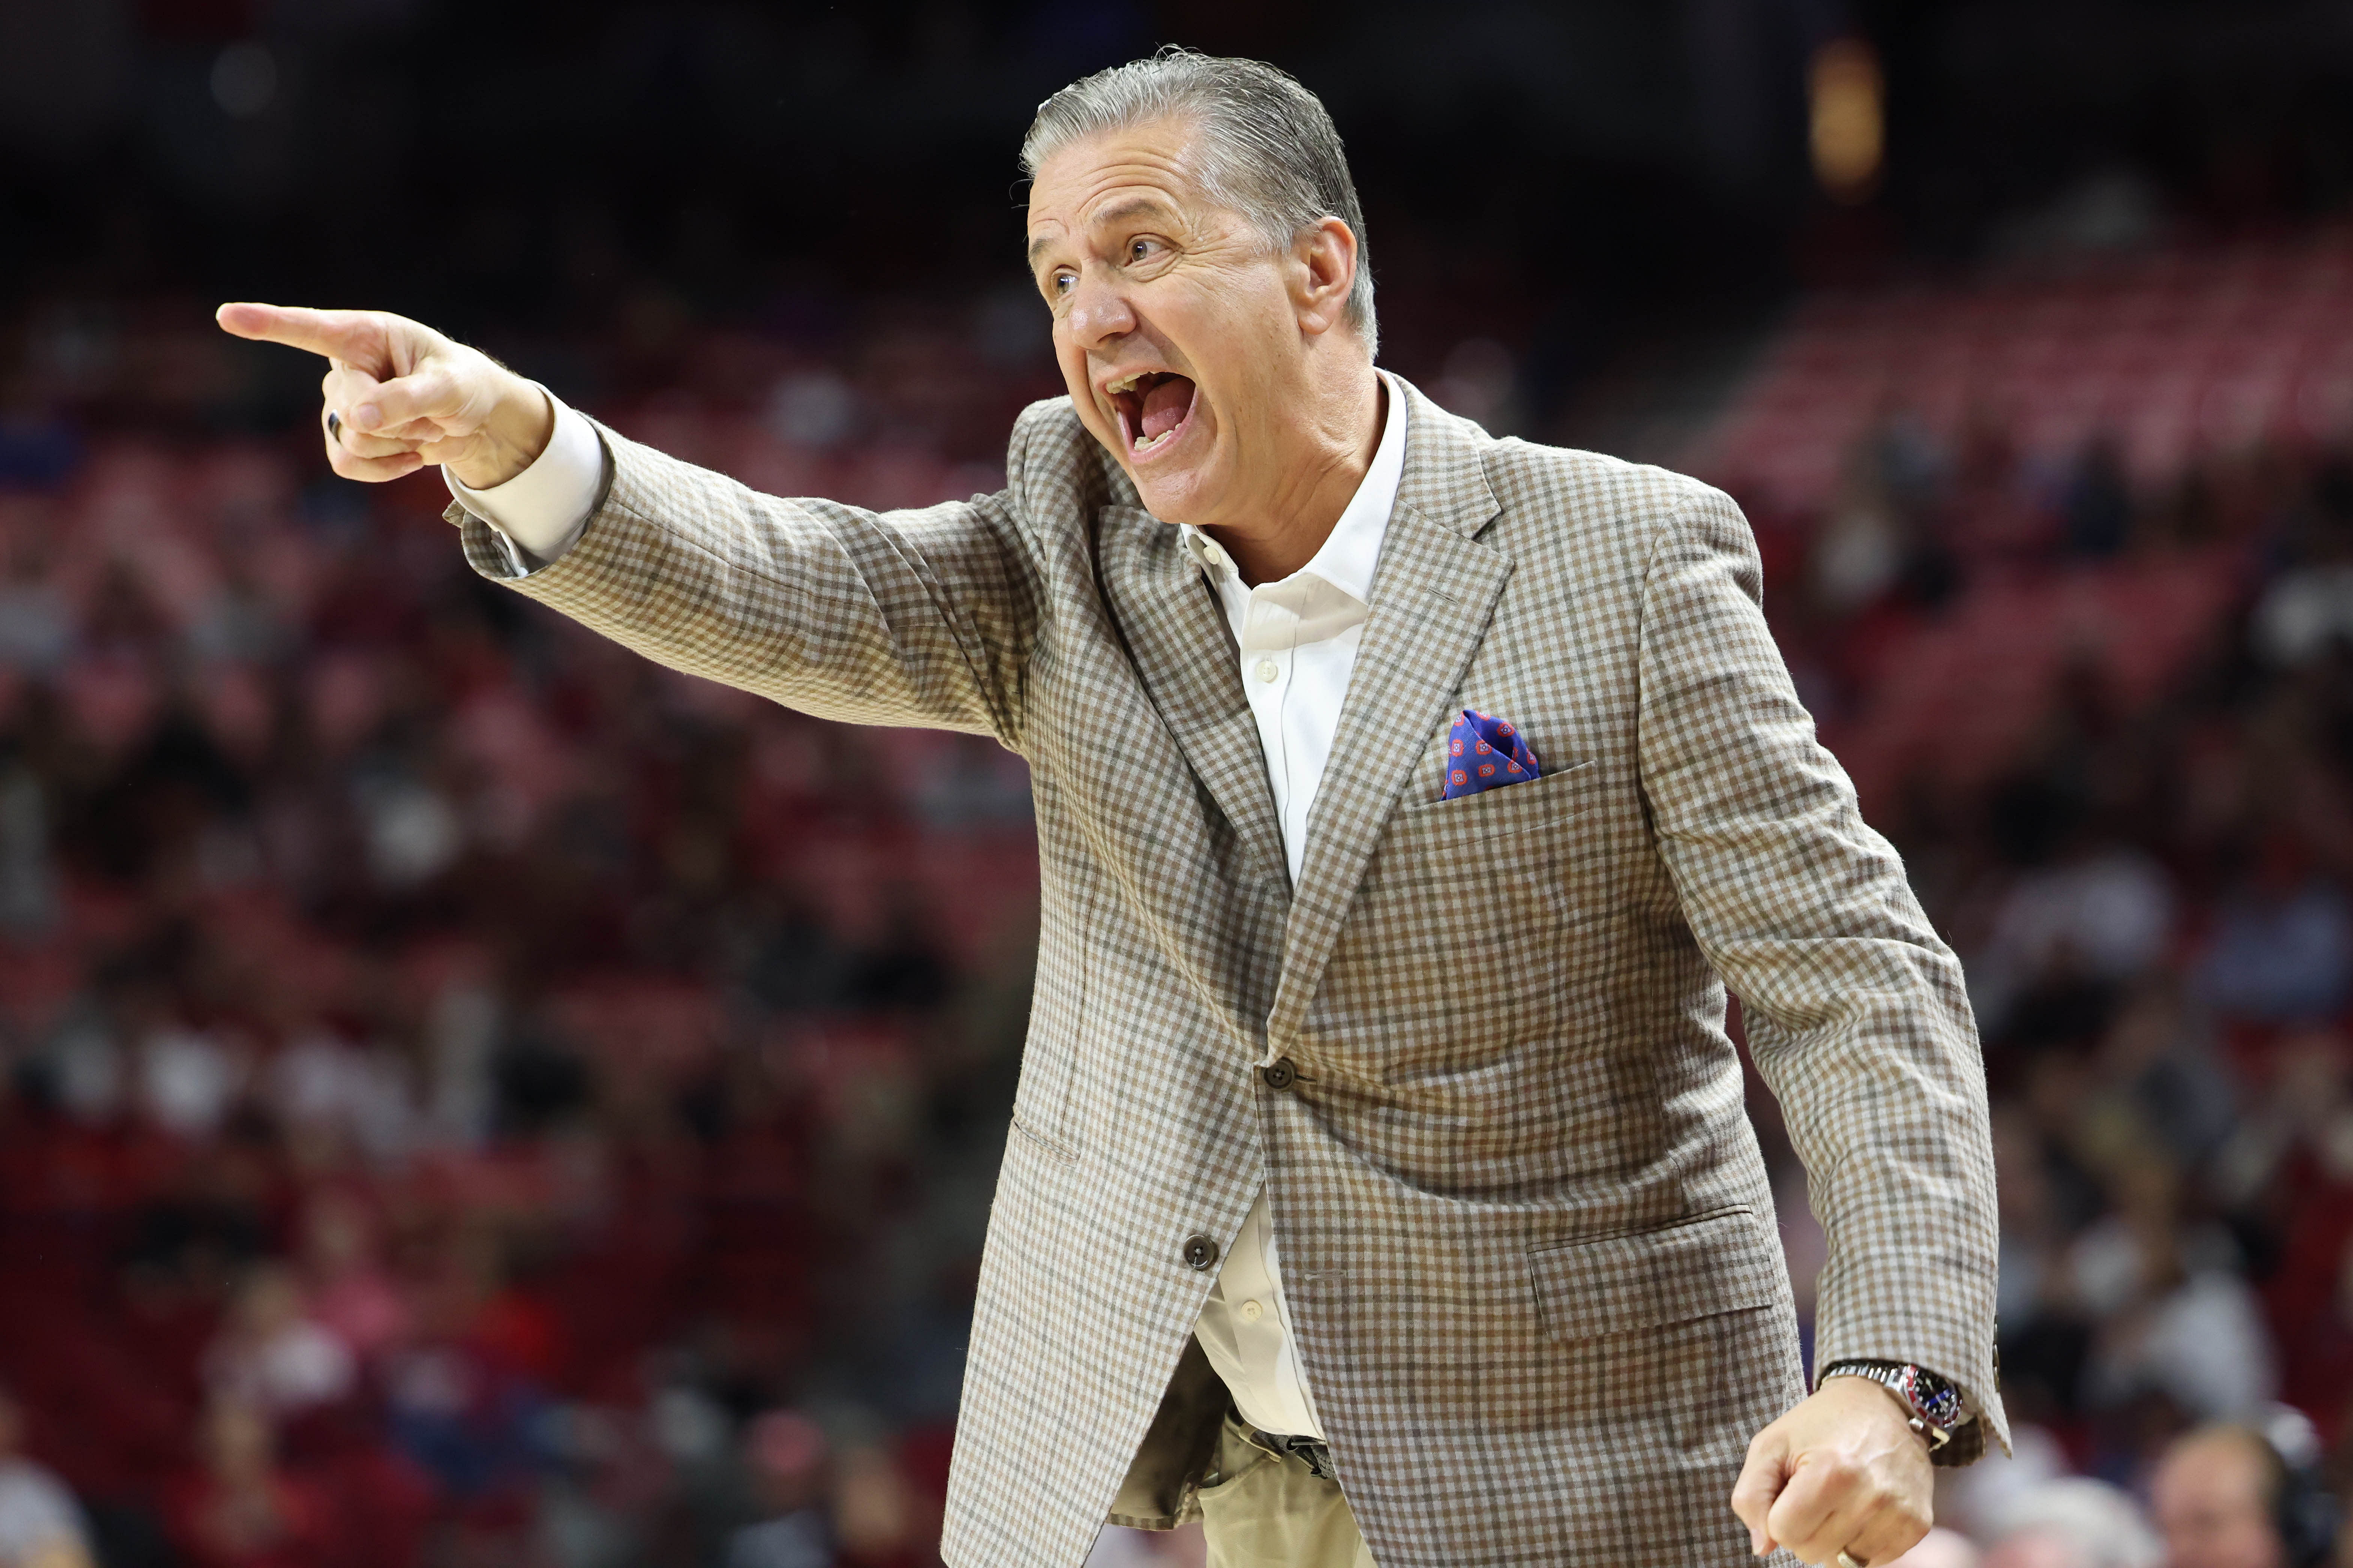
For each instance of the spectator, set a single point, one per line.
(2073, 1523)
(2306, 613)
(2102, 914)
(40, 1524)
(273, 1358)
(2283, 950)
(239, 1510)
(2223, 1496)
(352, 1296)
(875, 1512)
(2176, 1318)
(786, 1457)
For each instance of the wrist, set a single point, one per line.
(519, 425)
(1856, 1380)
(1931, 1405)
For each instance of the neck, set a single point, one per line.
(1337, 445)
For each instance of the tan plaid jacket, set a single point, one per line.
(1524, 1228)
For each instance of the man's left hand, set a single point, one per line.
(1843, 1472)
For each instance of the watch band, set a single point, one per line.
(1937, 1409)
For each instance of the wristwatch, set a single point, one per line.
(1937, 1409)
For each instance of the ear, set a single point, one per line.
(1323, 269)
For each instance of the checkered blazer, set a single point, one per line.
(1525, 1231)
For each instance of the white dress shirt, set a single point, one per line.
(1296, 642)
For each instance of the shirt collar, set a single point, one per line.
(1352, 551)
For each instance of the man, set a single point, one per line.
(2223, 1498)
(1379, 1187)
(2073, 1522)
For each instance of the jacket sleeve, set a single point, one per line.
(921, 617)
(1855, 1010)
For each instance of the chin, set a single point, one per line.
(1181, 492)
(1171, 497)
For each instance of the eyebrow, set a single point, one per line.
(1134, 206)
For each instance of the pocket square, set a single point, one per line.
(1485, 752)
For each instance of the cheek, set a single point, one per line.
(1073, 363)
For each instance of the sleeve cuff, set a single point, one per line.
(539, 514)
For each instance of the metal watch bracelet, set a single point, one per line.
(1936, 1408)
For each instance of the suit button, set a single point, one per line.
(1280, 1074)
(1200, 1251)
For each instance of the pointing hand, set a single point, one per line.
(399, 396)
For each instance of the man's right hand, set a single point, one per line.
(404, 395)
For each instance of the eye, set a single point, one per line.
(1063, 282)
(1141, 249)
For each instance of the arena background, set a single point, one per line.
(471, 1097)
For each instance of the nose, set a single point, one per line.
(1099, 310)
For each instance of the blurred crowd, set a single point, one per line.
(470, 1096)
(473, 1097)
(2105, 710)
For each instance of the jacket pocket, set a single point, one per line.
(1719, 1263)
(1541, 802)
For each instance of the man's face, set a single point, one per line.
(2208, 1497)
(1176, 326)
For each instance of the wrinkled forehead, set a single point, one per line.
(1152, 170)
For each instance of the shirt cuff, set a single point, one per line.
(539, 514)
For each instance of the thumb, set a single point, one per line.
(1760, 1483)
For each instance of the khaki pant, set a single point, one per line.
(1264, 1510)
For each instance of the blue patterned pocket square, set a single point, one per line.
(1484, 752)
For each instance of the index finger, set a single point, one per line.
(349, 335)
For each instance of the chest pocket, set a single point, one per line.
(1512, 811)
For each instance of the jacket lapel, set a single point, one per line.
(1433, 594)
(1177, 636)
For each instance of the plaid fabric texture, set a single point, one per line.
(1525, 1229)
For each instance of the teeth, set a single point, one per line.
(1128, 383)
(1145, 444)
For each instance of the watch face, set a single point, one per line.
(1935, 1399)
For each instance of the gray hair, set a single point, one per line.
(1269, 151)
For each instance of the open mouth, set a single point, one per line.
(1153, 406)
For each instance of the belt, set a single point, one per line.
(1313, 1452)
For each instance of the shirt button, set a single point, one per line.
(1201, 1252)
(1267, 670)
(1253, 1312)
(1211, 553)
(1280, 1074)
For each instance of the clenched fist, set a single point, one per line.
(1841, 1472)
(399, 396)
